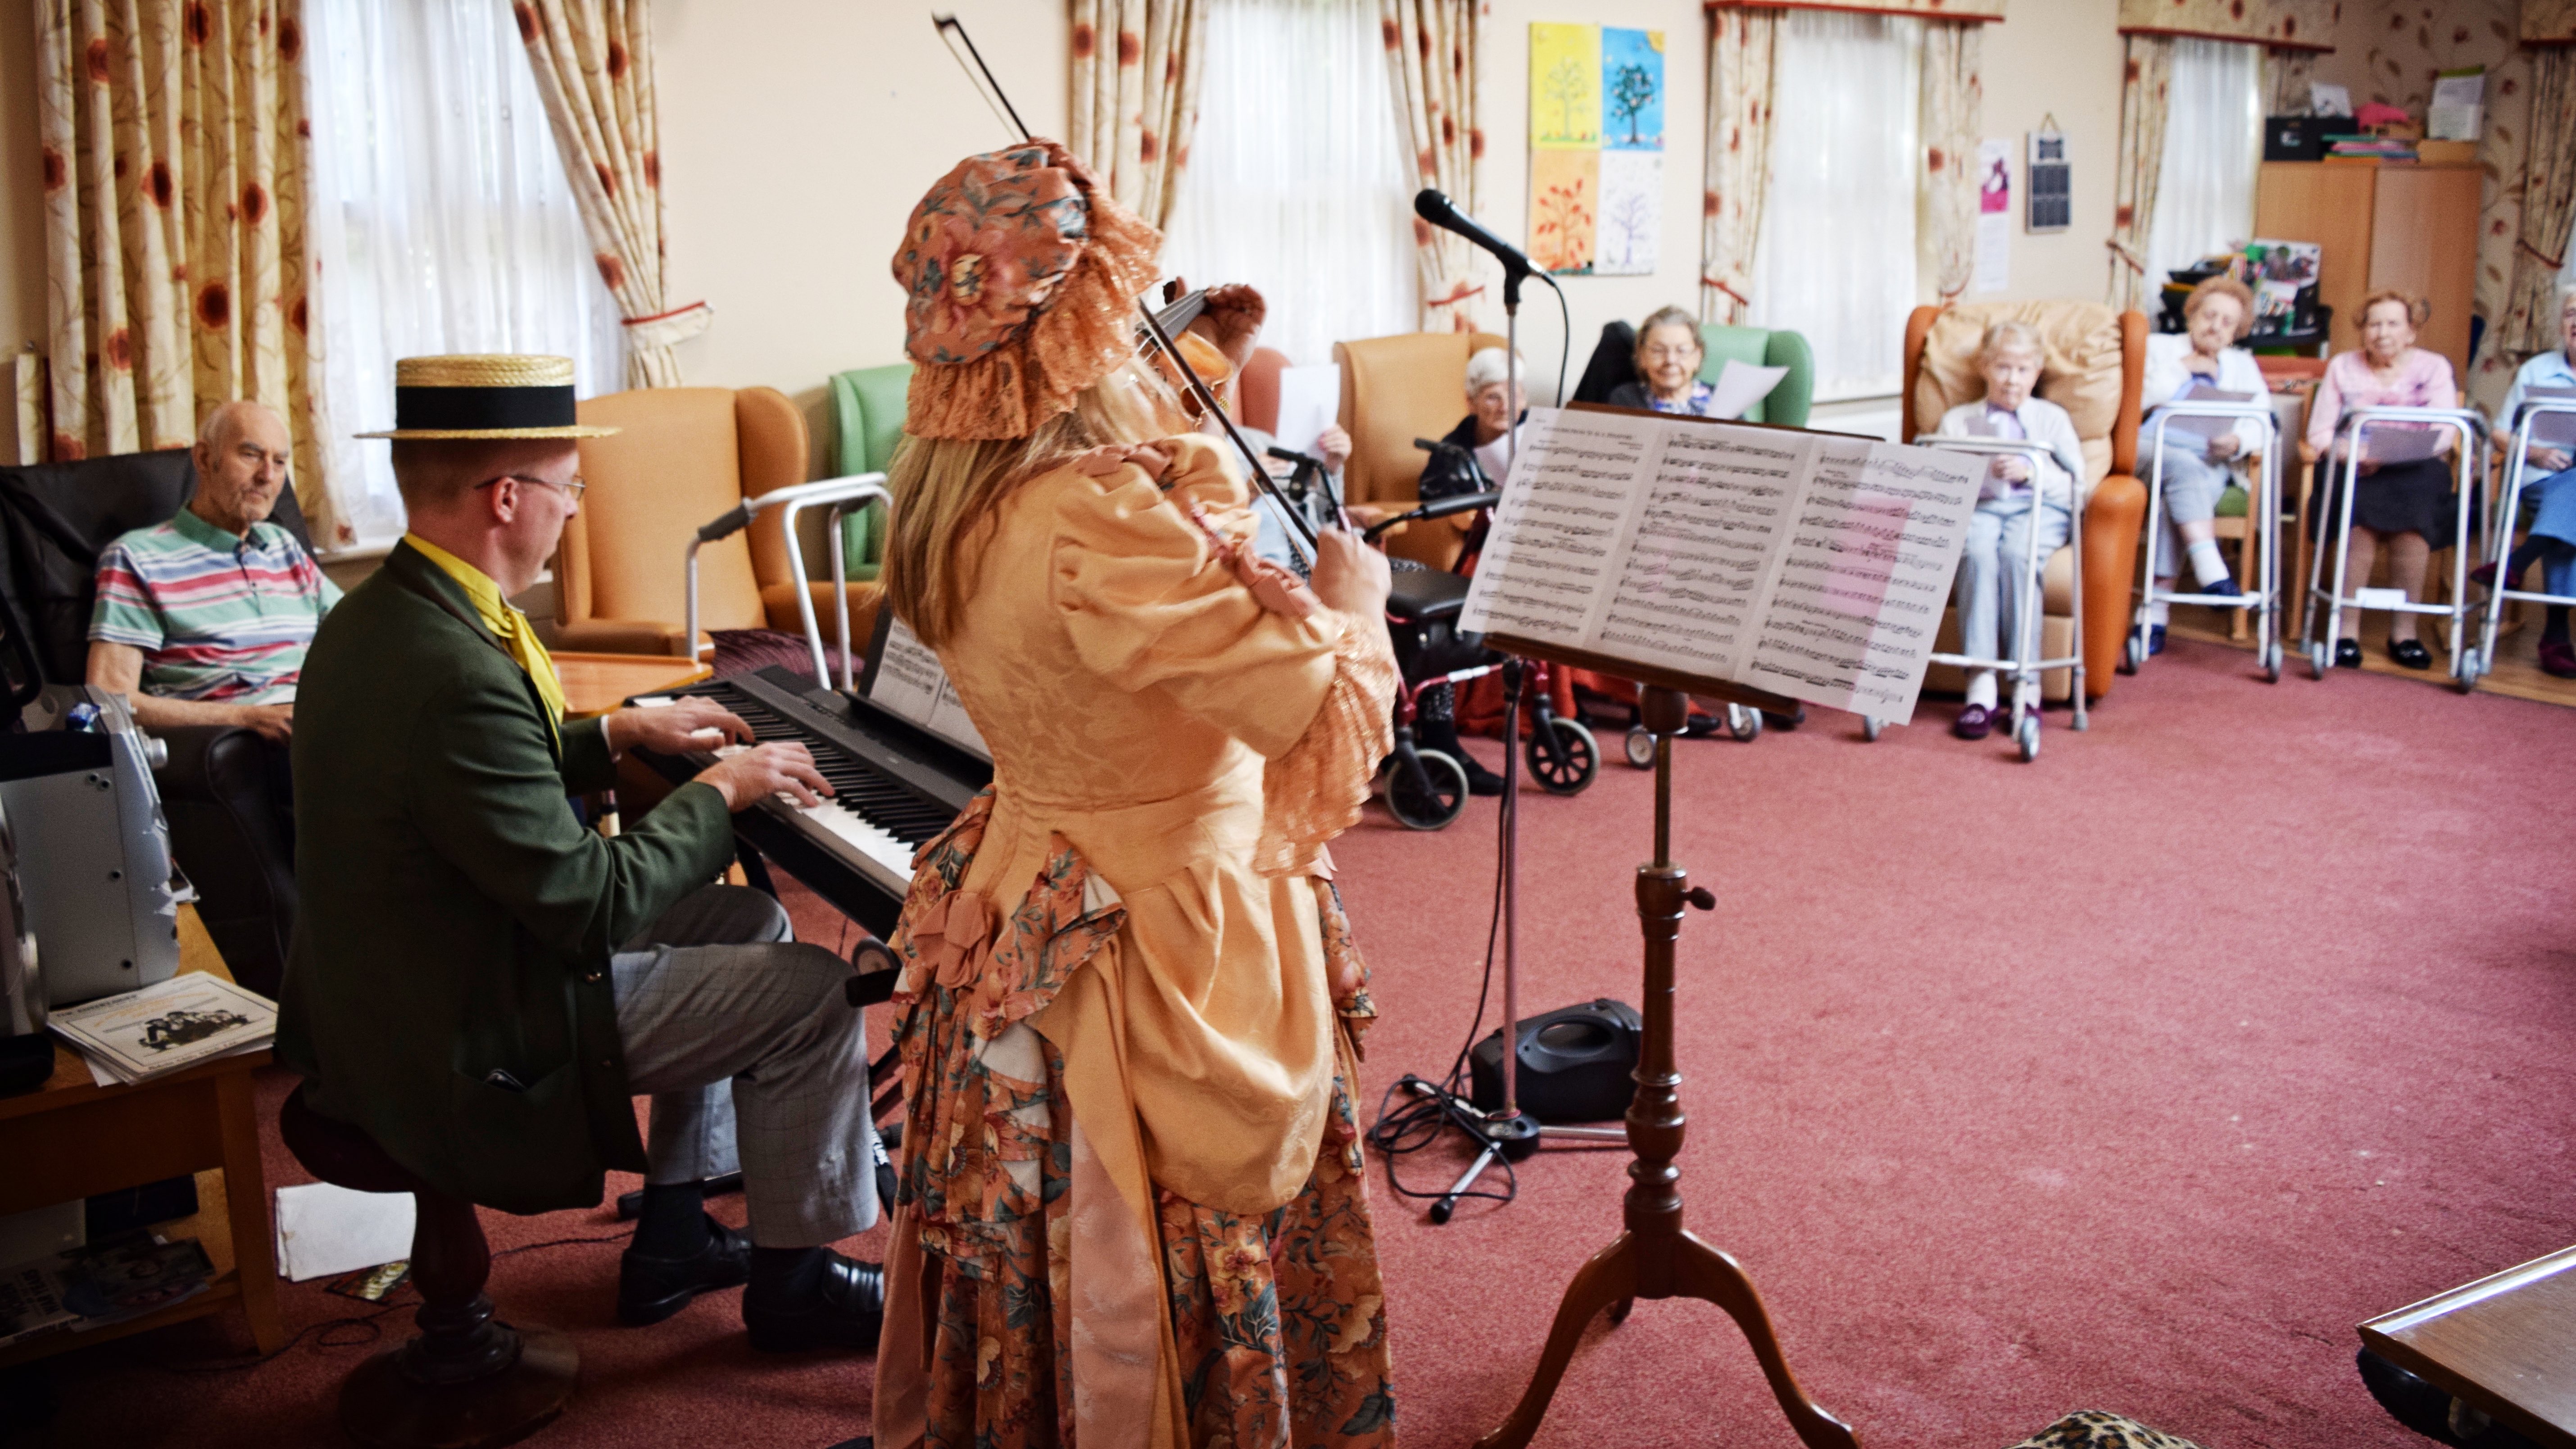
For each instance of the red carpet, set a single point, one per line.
(2131, 1079)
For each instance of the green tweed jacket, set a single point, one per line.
(447, 987)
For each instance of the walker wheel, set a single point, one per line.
(1745, 724)
(1870, 726)
(2272, 662)
(2027, 736)
(1582, 757)
(2465, 678)
(2133, 652)
(1641, 748)
(2320, 658)
(1446, 799)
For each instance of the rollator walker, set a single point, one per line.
(2517, 470)
(2468, 466)
(2024, 667)
(2263, 514)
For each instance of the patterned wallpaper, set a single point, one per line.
(2389, 50)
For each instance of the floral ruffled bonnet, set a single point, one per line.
(1021, 277)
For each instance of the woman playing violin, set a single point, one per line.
(1132, 1205)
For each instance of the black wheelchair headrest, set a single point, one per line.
(1423, 596)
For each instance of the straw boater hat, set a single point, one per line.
(1021, 277)
(485, 395)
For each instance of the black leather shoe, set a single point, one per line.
(843, 1308)
(651, 1289)
(2411, 653)
(2347, 654)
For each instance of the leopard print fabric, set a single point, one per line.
(2093, 1429)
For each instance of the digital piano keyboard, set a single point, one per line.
(899, 785)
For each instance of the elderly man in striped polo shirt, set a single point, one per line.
(204, 620)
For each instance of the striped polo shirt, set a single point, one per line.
(218, 618)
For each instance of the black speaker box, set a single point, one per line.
(1577, 1064)
(2298, 138)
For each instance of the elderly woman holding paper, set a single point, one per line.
(1669, 353)
(2405, 502)
(2201, 362)
(2548, 509)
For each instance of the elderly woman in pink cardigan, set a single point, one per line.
(2407, 506)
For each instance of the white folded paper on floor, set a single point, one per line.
(323, 1231)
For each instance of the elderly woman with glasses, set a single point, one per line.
(1668, 359)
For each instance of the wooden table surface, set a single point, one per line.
(597, 683)
(2505, 1344)
(72, 1138)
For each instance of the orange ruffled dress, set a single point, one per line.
(1133, 1209)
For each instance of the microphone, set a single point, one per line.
(1436, 208)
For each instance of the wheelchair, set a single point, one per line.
(1427, 789)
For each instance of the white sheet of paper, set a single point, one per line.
(2206, 428)
(323, 1231)
(2456, 112)
(2370, 598)
(2389, 443)
(1807, 564)
(1740, 385)
(911, 682)
(2550, 430)
(1309, 399)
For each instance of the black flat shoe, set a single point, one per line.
(843, 1307)
(650, 1289)
(1480, 781)
(2347, 654)
(2411, 654)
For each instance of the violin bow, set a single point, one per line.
(1183, 309)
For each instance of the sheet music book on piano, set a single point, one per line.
(1811, 565)
(904, 678)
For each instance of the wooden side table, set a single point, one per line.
(597, 683)
(72, 1138)
(2505, 1344)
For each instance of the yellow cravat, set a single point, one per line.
(507, 625)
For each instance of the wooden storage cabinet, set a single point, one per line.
(2411, 227)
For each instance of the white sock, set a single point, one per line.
(2160, 611)
(1981, 688)
(2206, 565)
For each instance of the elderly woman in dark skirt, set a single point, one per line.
(2407, 506)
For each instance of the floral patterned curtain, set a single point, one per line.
(593, 61)
(1431, 60)
(1742, 46)
(1953, 104)
(2286, 76)
(173, 164)
(1135, 105)
(2548, 208)
(2144, 95)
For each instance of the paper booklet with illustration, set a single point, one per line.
(1812, 565)
(187, 1019)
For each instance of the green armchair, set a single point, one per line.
(1764, 347)
(867, 424)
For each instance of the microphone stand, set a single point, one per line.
(1509, 1133)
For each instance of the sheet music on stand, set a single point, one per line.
(1808, 565)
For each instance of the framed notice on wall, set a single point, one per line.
(1596, 106)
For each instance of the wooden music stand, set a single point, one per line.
(1654, 1257)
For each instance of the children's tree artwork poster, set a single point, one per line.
(1596, 109)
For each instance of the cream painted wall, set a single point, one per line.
(793, 150)
(2061, 58)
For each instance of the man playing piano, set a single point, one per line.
(480, 982)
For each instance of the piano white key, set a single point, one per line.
(872, 844)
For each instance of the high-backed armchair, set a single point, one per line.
(867, 425)
(684, 455)
(1394, 390)
(2094, 366)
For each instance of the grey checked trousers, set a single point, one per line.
(754, 1060)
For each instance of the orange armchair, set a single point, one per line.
(683, 456)
(2095, 365)
(1394, 390)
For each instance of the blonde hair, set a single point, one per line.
(2418, 311)
(946, 490)
(2223, 285)
(2009, 333)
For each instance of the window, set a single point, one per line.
(1836, 256)
(2213, 145)
(441, 221)
(1299, 181)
